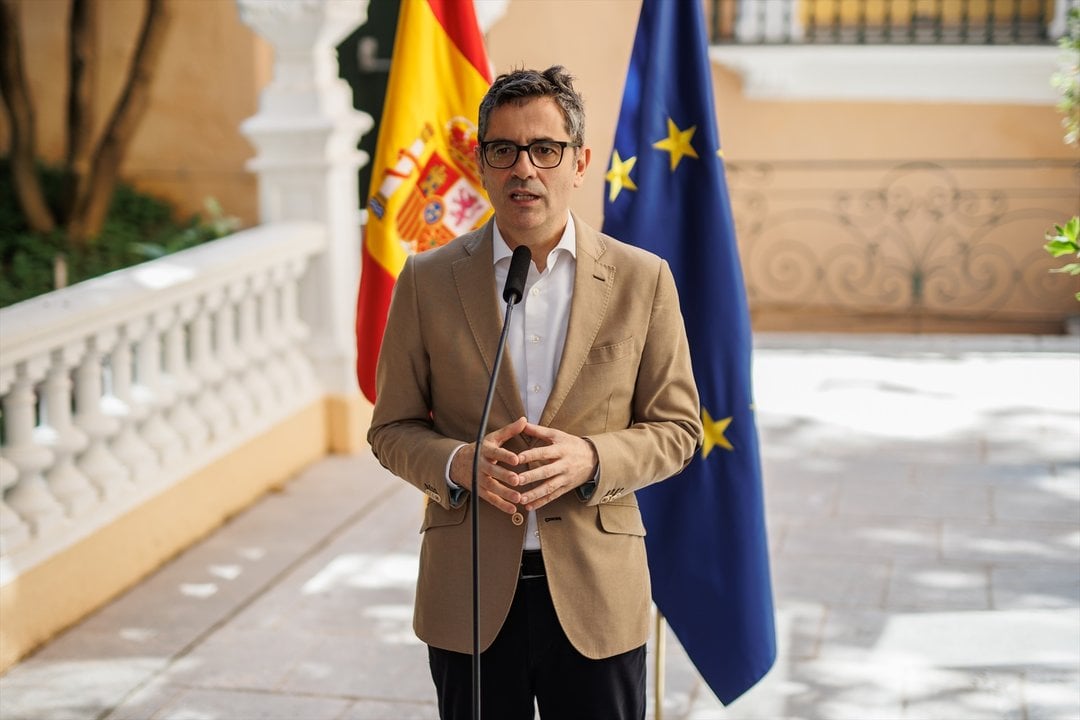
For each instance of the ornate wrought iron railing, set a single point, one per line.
(888, 22)
(923, 245)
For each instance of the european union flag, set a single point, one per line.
(666, 192)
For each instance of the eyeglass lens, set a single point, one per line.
(544, 154)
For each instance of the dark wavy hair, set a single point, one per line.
(522, 85)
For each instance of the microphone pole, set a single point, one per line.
(512, 292)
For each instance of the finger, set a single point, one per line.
(540, 496)
(540, 454)
(508, 431)
(498, 495)
(541, 432)
(503, 475)
(493, 455)
(539, 473)
(493, 443)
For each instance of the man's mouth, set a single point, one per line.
(523, 196)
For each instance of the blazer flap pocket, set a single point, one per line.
(437, 516)
(610, 353)
(621, 519)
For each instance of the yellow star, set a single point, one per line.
(619, 175)
(677, 143)
(714, 433)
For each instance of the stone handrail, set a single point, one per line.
(116, 388)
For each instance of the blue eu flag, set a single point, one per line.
(666, 192)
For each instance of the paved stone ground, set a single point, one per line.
(924, 511)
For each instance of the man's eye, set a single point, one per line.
(500, 150)
(544, 150)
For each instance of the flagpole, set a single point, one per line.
(661, 661)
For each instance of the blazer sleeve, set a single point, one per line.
(402, 434)
(666, 430)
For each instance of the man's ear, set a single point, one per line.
(582, 159)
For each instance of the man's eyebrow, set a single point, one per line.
(531, 141)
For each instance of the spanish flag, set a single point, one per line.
(425, 184)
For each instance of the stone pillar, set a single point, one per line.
(305, 135)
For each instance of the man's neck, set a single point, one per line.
(541, 242)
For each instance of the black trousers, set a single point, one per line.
(531, 659)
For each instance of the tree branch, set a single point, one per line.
(94, 193)
(20, 112)
(82, 40)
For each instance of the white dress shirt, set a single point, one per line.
(537, 330)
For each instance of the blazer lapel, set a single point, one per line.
(593, 283)
(475, 270)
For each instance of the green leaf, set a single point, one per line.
(1071, 268)
(1071, 230)
(1057, 248)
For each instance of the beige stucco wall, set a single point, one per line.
(187, 147)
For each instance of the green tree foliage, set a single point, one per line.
(137, 228)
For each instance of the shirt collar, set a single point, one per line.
(568, 242)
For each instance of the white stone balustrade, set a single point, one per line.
(169, 365)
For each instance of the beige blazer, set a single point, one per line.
(624, 382)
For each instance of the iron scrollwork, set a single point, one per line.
(919, 239)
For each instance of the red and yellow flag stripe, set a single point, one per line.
(425, 187)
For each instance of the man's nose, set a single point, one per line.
(523, 166)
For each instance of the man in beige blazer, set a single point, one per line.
(595, 399)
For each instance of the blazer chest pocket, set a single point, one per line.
(436, 516)
(621, 520)
(610, 353)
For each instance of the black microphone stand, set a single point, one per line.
(515, 282)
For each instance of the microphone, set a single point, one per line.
(512, 292)
(515, 279)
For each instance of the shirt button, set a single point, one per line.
(536, 388)
(535, 338)
(535, 291)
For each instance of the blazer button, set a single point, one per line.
(517, 518)
(435, 496)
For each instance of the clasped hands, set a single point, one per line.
(563, 462)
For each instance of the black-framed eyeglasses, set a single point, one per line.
(544, 154)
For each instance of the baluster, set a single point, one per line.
(231, 389)
(182, 383)
(106, 472)
(253, 374)
(296, 332)
(30, 497)
(207, 366)
(128, 446)
(13, 531)
(153, 396)
(57, 431)
(274, 337)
